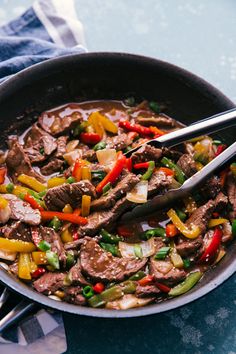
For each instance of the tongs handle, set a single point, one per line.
(207, 170)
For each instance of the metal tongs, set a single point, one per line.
(206, 126)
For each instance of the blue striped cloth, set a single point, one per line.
(50, 28)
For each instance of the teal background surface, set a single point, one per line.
(199, 36)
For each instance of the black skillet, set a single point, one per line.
(112, 76)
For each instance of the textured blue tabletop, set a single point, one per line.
(199, 36)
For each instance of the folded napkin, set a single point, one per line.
(48, 29)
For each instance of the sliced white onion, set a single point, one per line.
(106, 157)
(127, 250)
(72, 156)
(72, 145)
(163, 266)
(128, 301)
(4, 265)
(5, 214)
(139, 193)
(10, 256)
(54, 297)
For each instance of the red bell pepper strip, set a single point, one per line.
(135, 128)
(125, 231)
(3, 172)
(212, 248)
(98, 288)
(34, 204)
(73, 218)
(76, 172)
(113, 174)
(90, 138)
(163, 288)
(128, 164)
(220, 149)
(140, 165)
(38, 272)
(171, 230)
(146, 280)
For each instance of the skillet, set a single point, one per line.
(94, 76)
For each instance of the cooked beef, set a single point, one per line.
(39, 144)
(118, 142)
(189, 148)
(211, 188)
(51, 236)
(61, 146)
(54, 165)
(14, 268)
(73, 245)
(57, 197)
(49, 282)
(16, 230)
(100, 265)
(164, 272)
(103, 219)
(18, 162)
(227, 232)
(75, 275)
(56, 125)
(147, 290)
(231, 192)
(22, 211)
(90, 155)
(171, 154)
(146, 153)
(186, 247)
(221, 201)
(73, 294)
(201, 216)
(158, 182)
(158, 121)
(187, 165)
(127, 182)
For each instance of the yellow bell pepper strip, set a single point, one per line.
(85, 206)
(73, 218)
(56, 181)
(186, 285)
(67, 209)
(39, 257)
(66, 236)
(193, 233)
(3, 203)
(3, 188)
(32, 183)
(16, 245)
(216, 222)
(33, 266)
(95, 121)
(107, 124)
(86, 173)
(24, 268)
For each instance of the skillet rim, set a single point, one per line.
(13, 84)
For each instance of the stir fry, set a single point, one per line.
(65, 184)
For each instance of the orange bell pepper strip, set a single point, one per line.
(167, 171)
(3, 172)
(73, 218)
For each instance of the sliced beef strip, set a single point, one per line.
(90, 155)
(211, 188)
(103, 219)
(16, 230)
(118, 142)
(171, 277)
(37, 139)
(147, 290)
(187, 165)
(48, 283)
(73, 294)
(52, 166)
(171, 154)
(75, 275)
(161, 120)
(201, 216)
(57, 197)
(221, 201)
(227, 232)
(158, 182)
(61, 146)
(146, 153)
(51, 236)
(231, 192)
(18, 162)
(56, 125)
(127, 182)
(100, 265)
(22, 211)
(188, 247)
